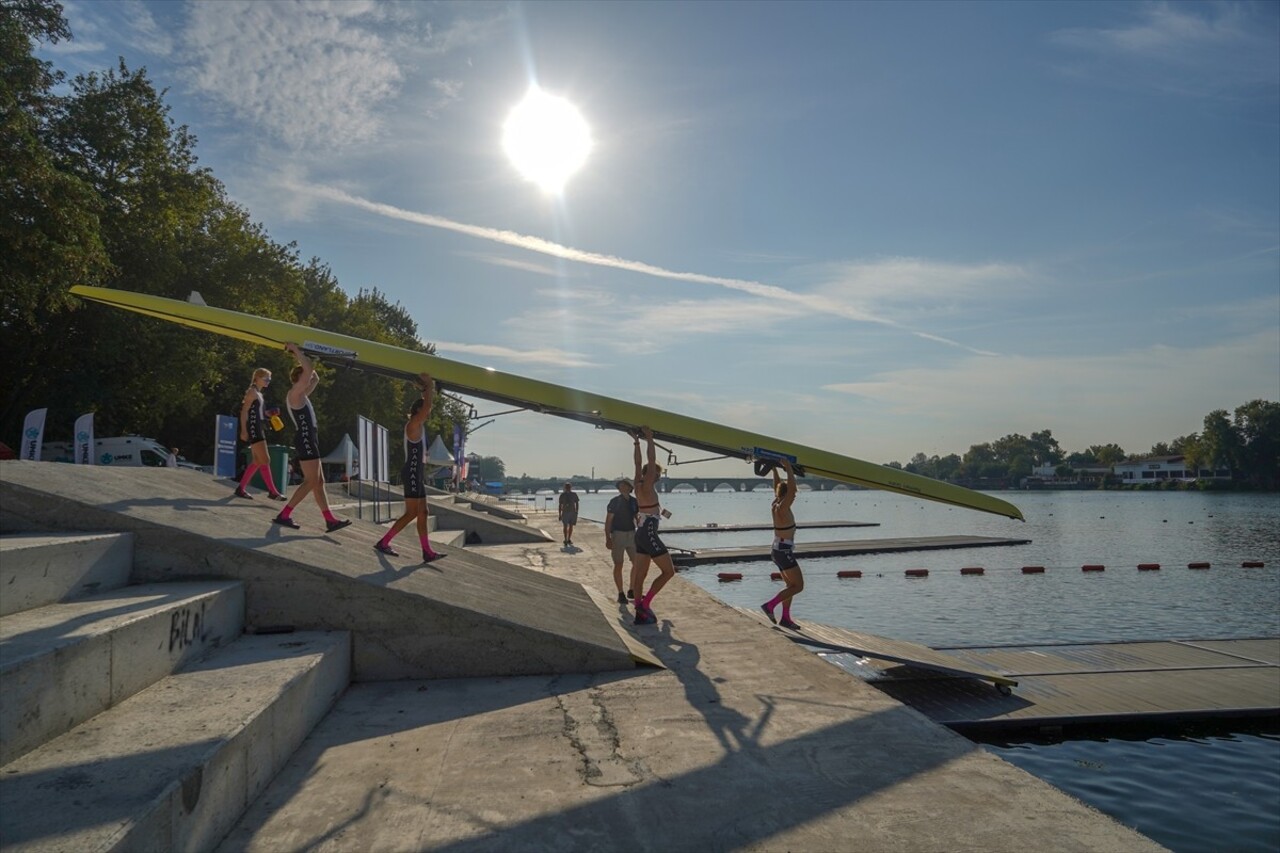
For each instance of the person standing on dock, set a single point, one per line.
(568, 512)
(413, 475)
(783, 553)
(620, 533)
(649, 547)
(306, 443)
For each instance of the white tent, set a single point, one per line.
(438, 456)
(344, 454)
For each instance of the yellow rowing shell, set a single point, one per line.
(544, 397)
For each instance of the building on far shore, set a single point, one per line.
(1156, 468)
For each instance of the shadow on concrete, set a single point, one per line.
(111, 788)
(11, 646)
(731, 728)
(732, 804)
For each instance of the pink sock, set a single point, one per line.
(773, 602)
(386, 540)
(286, 512)
(426, 546)
(248, 475)
(329, 516)
(786, 610)
(266, 478)
(647, 598)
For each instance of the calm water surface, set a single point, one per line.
(1189, 791)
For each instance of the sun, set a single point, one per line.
(546, 139)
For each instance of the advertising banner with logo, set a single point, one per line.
(32, 435)
(226, 427)
(82, 453)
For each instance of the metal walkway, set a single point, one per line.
(840, 549)
(737, 528)
(1074, 684)
(896, 651)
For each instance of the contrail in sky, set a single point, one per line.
(816, 303)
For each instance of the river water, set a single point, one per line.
(1196, 789)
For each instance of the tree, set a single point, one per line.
(1220, 441)
(1107, 454)
(1257, 424)
(48, 216)
(488, 468)
(1160, 449)
(1044, 448)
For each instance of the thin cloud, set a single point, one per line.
(1129, 397)
(815, 303)
(1201, 50)
(557, 357)
(306, 73)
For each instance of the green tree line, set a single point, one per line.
(1246, 443)
(98, 186)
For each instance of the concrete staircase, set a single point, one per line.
(141, 717)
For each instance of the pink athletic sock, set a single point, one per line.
(786, 610)
(386, 540)
(647, 598)
(426, 547)
(286, 512)
(329, 516)
(773, 602)
(266, 478)
(248, 475)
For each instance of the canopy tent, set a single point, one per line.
(345, 454)
(438, 456)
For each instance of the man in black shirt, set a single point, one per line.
(620, 533)
(568, 512)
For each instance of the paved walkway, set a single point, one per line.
(745, 742)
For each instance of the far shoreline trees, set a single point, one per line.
(1246, 444)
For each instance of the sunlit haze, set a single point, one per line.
(875, 228)
(547, 139)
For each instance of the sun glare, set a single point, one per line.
(546, 139)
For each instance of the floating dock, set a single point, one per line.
(846, 548)
(738, 528)
(896, 651)
(1069, 684)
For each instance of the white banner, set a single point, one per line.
(364, 444)
(384, 450)
(82, 451)
(32, 435)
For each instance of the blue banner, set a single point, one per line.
(224, 446)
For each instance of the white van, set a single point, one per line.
(127, 450)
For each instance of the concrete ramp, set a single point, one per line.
(464, 615)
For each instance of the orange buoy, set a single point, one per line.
(729, 576)
(917, 573)
(1148, 567)
(775, 576)
(849, 573)
(1033, 570)
(1093, 567)
(971, 570)
(1252, 564)
(1197, 565)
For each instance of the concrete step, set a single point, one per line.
(63, 663)
(40, 569)
(173, 767)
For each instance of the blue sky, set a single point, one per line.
(877, 228)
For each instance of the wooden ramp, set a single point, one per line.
(840, 549)
(1105, 682)
(895, 651)
(737, 528)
